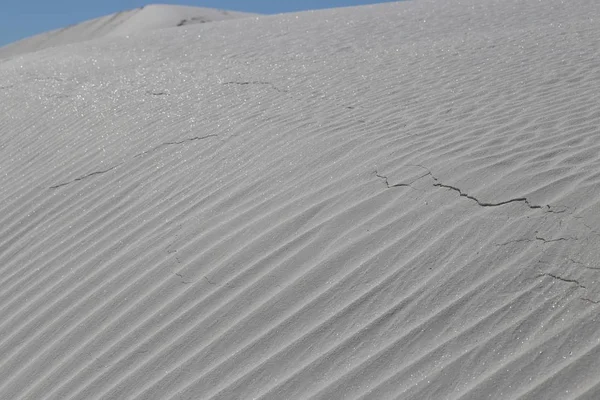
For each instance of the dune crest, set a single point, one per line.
(136, 21)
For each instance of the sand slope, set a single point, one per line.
(364, 203)
(131, 22)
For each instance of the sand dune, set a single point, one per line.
(397, 201)
(131, 22)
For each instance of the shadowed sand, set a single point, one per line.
(397, 201)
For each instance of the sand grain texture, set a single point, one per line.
(389, 202)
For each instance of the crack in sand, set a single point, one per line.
(183, 280)
(514, 241)
(244, 83)
(154, 93)
(538, 238)
(135, 156)
(554, 240)
(198, 20)
(387, 183)
(174, 143)
(468, 196)
(589, 300)
(560, 278)
(85, 176)
(210, 282)
(483, 203)
(583, 265)
(587, 226)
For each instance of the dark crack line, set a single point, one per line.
(395, 185)
(189, 140)
(463, 194)
(182, 279)
(244, 83)
(152, 93)
(553, 240)
(560, 278)
(174, 143)
(587, 226)
(550, 210)
(483, 203)
(85, 177)
(576, 262)
(541, 239)
(514, 241)
(137, 155)
(387, 183)
(199, 20)
(583, 265)
(422, 167)
(589, 300)
(470, 197)
(209, 281)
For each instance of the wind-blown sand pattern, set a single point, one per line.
(398, 201)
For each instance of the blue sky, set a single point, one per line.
(23, 18)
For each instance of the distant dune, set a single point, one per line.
(124, 23)
(398, 201)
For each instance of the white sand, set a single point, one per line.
(398, 201)
(131, 22)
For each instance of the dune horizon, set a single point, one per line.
(395, 201)
(127, 22)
